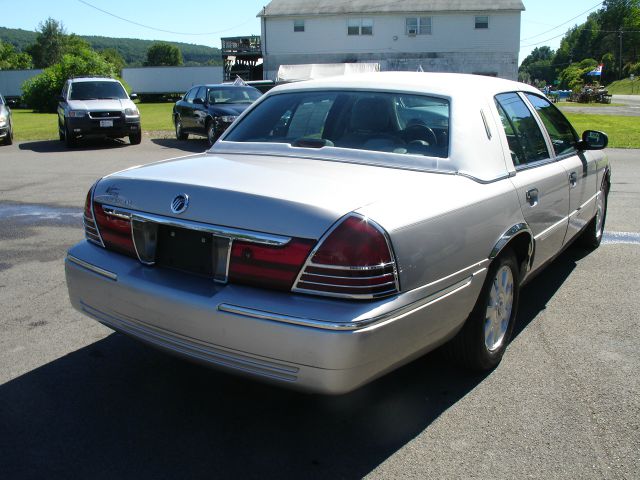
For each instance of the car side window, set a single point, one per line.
(526, 141)
(202, 93)
(563, 136)
(191, 95)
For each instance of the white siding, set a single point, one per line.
(450, 33)
(453, 46)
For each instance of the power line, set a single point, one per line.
(558, 26)
(160, 29)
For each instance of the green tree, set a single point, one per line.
(162, 54)
(537, 66)
(112, 56)
(41, 91)
(12, 60)
(49, 45)
(573, 77)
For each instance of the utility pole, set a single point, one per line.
(620, 74)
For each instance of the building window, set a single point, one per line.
(482, 22)
(359, 26)
(298, 25)
(418, 26)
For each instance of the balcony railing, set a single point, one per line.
(241, 45)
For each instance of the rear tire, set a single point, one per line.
(135, 138)
(487, 331)
(211, 133)
(592, 235)
(180, 133)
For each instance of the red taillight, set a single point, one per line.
(90, 229)
(353, 261)
(266, 265)
(114, 230)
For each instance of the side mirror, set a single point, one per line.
(61, 99)
(593, 140)
(198, 101)
(133, 96)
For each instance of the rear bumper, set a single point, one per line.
(309, 343)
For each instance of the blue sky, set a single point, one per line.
(204, 23)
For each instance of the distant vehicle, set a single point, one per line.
(207, 110)
(97, 106)
(6, 124)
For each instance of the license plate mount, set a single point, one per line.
(187, 250)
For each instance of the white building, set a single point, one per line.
(469, 36)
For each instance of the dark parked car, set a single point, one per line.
(6, 125)
(207, 110)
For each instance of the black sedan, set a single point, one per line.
(207, 110)
(6, 125)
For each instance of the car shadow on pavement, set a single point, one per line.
(49, 146)
(194, 145)
(535, 295)
(119, 409)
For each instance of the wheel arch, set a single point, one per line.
(518, 238)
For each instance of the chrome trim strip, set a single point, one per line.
(216, 230)
(93, 214)
(347, 278)
(349, 296)
(93, 268)
(346, 268)
(508, 235)
(185, 346)
(548, 230)
(135, 246)
(377, 285)
(357, 325)
(486, 124)
(584, 205)
(481, 265)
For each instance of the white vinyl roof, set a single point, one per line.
(342, 7)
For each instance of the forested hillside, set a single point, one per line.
(133, 51)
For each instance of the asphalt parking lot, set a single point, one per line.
(79, 401)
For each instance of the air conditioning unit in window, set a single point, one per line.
(412, 32)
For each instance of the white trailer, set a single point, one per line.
(11, 81)
(166, 80)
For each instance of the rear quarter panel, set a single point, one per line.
(444, 225)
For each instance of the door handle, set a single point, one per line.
(573, 179)
(532, 197)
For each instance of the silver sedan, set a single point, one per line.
(343, 227)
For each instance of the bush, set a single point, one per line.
(41, 92)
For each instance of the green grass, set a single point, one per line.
(156, 117)
(560, 105)
(34, 126)
(27, 125)
(626, 86)
(623, 132)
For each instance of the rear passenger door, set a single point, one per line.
(540, 181)
(581, 169)
(184, 108)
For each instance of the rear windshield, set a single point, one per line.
(385, 122)
(97, 90)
